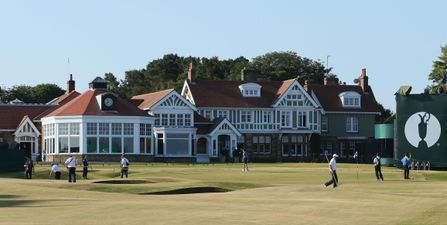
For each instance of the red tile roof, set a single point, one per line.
(57, 103)
(328, 96)
(146, 101)
(86, 104)
(227, 93)
(12, 115)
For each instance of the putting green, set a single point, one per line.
(283, 193)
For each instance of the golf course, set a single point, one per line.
(270, 193)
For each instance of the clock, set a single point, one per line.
(108, 102)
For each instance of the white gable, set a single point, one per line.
(187, 93)
(296, 96)
(225, 126)
(27, 128)
(173, 101)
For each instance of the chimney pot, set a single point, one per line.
(191, 73)
(70, 84)
(363, 80)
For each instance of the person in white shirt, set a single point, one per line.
(56, 170)
(71, 165)
(333, 171)
(377, 167)
(124, 166)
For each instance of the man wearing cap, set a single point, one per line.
(332, 170)
(71, 165)
(57, 171)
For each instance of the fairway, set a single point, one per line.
(281, 193)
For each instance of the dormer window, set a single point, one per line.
(250, 90)
(350, 99)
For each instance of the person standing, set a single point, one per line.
(406, 163)
(70, 163)
(333, 171)
(29, 169)
(124, 166)
(85, 167)
(244, 160)
(57, 171)
(377, 167)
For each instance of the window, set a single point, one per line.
(63, 128)
(293, 145)
(285, 118)
(164, 119)
(188, 120)
(116, 144)
(250, 90)
(262, 144)
(246, 116)
(177, 144)
(294, 99)
(180, 120)
(103, 129)
(352, 124)
(92, 144)
(74, 144)
(302, 119)
(171, 120)
(116, 129)
(222, 113)
(74, 128)
(350, 99)
(92, 129)
(267, 117)
(63, 144)
(128, 145)
(103, 144)
(157, 119)
(128, 129)
(207, 114)
(324, 123)
(347, 148)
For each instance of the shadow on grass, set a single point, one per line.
(123, 182)
(191, 190)
(14, 203)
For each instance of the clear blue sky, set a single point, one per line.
(396, 41)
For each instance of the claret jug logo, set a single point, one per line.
(422, 130)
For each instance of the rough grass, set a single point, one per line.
(289, 193)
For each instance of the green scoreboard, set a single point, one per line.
(420, 128)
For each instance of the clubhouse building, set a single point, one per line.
(208, 121)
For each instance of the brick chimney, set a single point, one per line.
(70, 84)
(249, 75)
(330, 81)
(192, 73)
(363, 80)
(307, 83)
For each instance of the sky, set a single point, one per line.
(396, 41)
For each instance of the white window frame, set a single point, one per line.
(324, 124)
(248, 119)
(352, 124)
(286, 121)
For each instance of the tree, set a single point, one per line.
(386, 115)
(439, 73)
(21, 92)
(114, 84)
(43, 93)
(288, 65)
(135, 83)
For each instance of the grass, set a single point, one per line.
(281, 193)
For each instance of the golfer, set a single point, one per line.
(124, 166)
(377, 167)
(70, 163)
(333, 171)
(85, 167)
(244, 160)
(406, 163)
(57, 171)
(29, 169)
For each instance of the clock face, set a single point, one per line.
(108, 102)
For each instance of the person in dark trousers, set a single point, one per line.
(244, 160)
(85, 167)
(377, 167)
(406, 164)
(124, 166)
(57, 171)
(29, 169)
(70, 163)
(333, 171)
